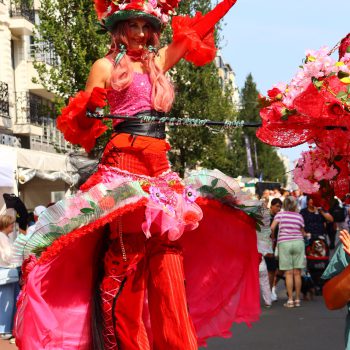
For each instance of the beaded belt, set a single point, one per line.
(135, 127)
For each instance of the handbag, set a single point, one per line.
(8, 276)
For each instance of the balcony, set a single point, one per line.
(22, 15)
(36, 120)
(43, 52)
(51, 140)
(29, 115)
(5, 120)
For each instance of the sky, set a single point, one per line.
(268, 38)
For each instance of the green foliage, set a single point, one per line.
(198, 95)
(70, 26)
(265, 158)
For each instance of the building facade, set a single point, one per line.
(227, 78)
(27, 114)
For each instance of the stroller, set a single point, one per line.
(317, 257)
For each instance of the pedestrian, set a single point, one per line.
(290, 247)
(265, 249)
(315, 219)
(8, 277)
(339, 213)
(36, 213)
(272, 260)
(150, 259)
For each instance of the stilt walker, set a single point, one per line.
(139, 258)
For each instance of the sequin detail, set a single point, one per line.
(136, 98)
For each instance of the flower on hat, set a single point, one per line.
(115, 11)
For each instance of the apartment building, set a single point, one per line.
(30, 144)
(227, 78)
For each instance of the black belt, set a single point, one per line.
(135, 127)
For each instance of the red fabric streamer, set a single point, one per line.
(199, 31)
(200, 51)
(76, 127)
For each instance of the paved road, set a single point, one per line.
(311, 327)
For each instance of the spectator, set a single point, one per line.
(266, 195)
(271, 261)
(290, 245)
(8, 277)
(315, 219)
(36, 213)
(265, 249)
(276, 193)
(301, 199)
(284, 194)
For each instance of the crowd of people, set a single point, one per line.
(10, 273)
(295, 241)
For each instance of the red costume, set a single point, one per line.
(180, 262)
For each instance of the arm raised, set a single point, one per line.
(193, 38)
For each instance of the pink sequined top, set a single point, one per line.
(134, 99)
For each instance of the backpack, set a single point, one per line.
(338, 213)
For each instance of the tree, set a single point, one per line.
(265, 159)
(198, 95)
(70, 27)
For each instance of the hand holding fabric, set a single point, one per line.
(76, 127)
(97, 99)
(199, 33)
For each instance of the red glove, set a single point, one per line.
(76, 127)
(207, 23)
(198, 31)
(97, 99)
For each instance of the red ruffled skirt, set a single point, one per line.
(215, 240)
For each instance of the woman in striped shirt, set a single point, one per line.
(291, 249)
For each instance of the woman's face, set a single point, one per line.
(310, 203)
(9, 229)
(139, 31)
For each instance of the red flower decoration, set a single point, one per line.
(336, 109)
(145, 186)
(107, 203)
(275, 94)
(177, 186)
(190, 217)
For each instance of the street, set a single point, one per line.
(310, 327)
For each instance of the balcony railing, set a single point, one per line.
(43, 52)
(4, 100)
(23, 8)
(34, 110)
(52, 139)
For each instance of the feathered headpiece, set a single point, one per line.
(157, 12)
